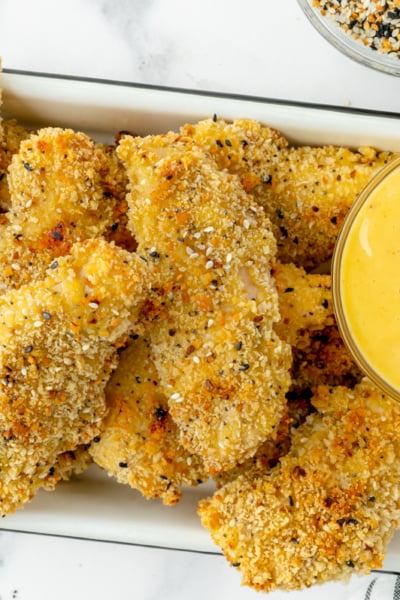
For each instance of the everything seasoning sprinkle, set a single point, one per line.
(374, 23)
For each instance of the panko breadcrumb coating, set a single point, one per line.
(306, 191)
(61, 192)
(115, 186)
(73, 462)
(310, 193)
(308, 324)
(305, 302)
(58, 345)
(139, 442)
(223, 366)
(330, 507)
(323, 359)
(13, 135)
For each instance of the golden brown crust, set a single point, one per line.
(305, 302)
(323, 359)
(139, 442)
(61, 192)
(305, 191)
(13, 135)
(58, 345)
(214, 346)
(328, 509)
(311, 192)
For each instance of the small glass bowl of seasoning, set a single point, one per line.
(366, 279)
(367, 31)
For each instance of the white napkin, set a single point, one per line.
(380, 586)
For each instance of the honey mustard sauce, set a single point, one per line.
(366, 280)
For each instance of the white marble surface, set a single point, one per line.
(260, 47)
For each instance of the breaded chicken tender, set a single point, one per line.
(307, 322)
(329, 508)
(310, 193)
(305, 302)
(61, 192)
(223, 367)
(305, 191)
(244, 147)
(116, 187)
(72, 462)
(323, 359)
(139, 442)
(266, 457)
(13, 135)
(58, 341)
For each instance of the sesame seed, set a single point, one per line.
(209, 264)
(369, 23)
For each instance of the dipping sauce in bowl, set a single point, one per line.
(366, 280)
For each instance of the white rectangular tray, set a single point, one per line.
(94, 506)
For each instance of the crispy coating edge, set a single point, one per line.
(329, 508)
(139, 442)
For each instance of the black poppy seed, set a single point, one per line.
(161, 413)
(2, 176)
(371, 499)
(46, 315)
(244, 367)
(154, 254)
(57, 235)
(283, 231)
(325, 303)
(267, 178)
(214, 118)
(239, 346)
(134, 336)
(28, 349)
(114, 226)
(123, 465)
(350, 564)
(236, 564)
(219, 143)
(228, 142)
(27, 166)
(96, 439)
(289, 289)
(54, 264)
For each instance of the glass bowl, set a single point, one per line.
(349, 46)
(365, 280)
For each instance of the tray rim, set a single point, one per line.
(206, 93)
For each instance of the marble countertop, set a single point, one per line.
(259, 47)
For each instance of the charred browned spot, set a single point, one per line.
(56, 240)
